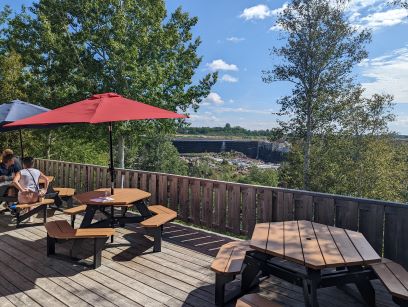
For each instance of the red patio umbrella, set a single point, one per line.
(100, 108)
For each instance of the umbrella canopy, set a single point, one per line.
(16, 110)
(100, 108)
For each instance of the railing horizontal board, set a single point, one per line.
(235, 207)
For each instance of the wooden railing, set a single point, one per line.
(236, 208)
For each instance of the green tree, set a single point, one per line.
(320, 51)
(256, 175)
(402, 3)
(72, 49)
(156, 153)
(361, 159)
(11, 77)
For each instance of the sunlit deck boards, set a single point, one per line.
(180, 275)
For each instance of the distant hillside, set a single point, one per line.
(226, 131)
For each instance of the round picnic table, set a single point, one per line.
(331, 256)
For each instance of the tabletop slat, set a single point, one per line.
(363, 247)
(275, 239)
(328, 247)
(260, 237)
(345, 246)
(292, 243)
(311, 250)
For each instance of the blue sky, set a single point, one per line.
(236, 38)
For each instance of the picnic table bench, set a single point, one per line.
(61, 231)
(255, 300)
(63, 195)
(227, 264)
(154, 224)
(32, 209)
(395, 278)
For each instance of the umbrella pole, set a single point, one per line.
(21, 144)
(111, 168)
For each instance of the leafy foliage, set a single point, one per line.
(362, 159)
(70, 50)
(320, 51)
(157, 153)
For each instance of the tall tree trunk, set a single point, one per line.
(121, 151)
(306, 148)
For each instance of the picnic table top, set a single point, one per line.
(313, 245)
(50, 179)
(121, 197)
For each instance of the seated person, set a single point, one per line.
(6, 168)
(17, 164)
(27, 183)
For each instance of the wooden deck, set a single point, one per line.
(180, 275)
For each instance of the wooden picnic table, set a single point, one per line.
(124, 198)
(332, 256)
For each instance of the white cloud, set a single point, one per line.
(374, 14)
(388, 74)
(370, 5)
(260, 11)
(242, 110)
(234, 39)
(212, 98)
(221, 65)
(229, 78)
(384, 19)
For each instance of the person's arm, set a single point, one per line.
(46, 183)
(17, 184)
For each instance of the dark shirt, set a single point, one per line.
(4, 171)
(16, 166)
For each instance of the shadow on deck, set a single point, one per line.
(132, 275)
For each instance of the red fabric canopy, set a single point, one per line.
(100, 108)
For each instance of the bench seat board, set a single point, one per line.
(34, 205)
(162, 216)
(62, 230)
(158, 220)
(255, 300)
(75, 210)
(65, 192)
(394, 277)
(230, 257)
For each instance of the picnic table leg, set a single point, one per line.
(250, 273)
(141, 206)
(220, 281)
(310, 285)
(50, 246)
(364, 287)
(89, 215)
(112, 220)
